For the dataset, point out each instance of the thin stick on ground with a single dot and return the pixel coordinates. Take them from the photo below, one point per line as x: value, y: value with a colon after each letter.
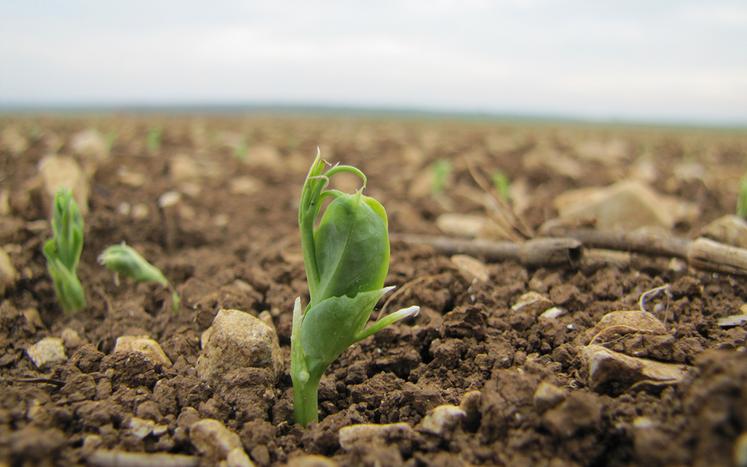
x: 702, y: 253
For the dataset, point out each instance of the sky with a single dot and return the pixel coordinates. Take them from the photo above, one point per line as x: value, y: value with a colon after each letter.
x: 675, y: 61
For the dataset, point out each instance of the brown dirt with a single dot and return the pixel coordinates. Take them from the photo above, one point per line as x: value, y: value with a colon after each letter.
x: 242, y: 251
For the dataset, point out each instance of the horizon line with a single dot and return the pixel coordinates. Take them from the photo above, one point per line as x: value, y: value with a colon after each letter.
x: 321, y: 109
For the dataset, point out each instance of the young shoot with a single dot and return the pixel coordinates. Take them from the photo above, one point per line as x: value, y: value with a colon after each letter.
x: 346, y: 256
x: 123, y: 259
x: 502, y: 185
x: 742, y: 199
x: 153, y: 140
x: 440, y: 172
x: 63, y: 252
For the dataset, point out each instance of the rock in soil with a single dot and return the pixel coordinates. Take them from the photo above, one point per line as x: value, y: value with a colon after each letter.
x: 311, y: 461
x: 144, y: 345
x: 729, y: 229
x: 617, y: 323
x: 627, y: 205
x: 532, y: 303
x: 8, y: 273
x: 64, y: 172
x: 217, y: 443
x: 471, y: 268
x: 368, y: 433
x: 547, y: 396
x: 237, y: 340
x: 611, y: 371
x: 47, y: 352
x: 442, y: 420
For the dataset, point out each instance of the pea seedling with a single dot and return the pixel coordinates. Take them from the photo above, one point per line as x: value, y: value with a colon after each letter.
x: 153, y: 140
x: 123, y: 259
x: 502, y: 185
x: 440, y: 170
x: 63, y: 251
x: 742, y: 199
x: 346, y: 257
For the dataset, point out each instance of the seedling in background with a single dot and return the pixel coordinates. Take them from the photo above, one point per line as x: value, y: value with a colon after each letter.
x: 742, y: 199
x: 241, y: 150
x: 123, y: 259
x: 440, y: 171
x: 502, y: 185
x: 63, y: 252
x: 153, y: 140
x: 111, y: 138
x: 346, y: 257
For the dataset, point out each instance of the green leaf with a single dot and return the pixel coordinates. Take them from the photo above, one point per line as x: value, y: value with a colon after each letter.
x: 331, y: 326
x: 351, y: 247
x: 124, y: 260
x: 63, y: 251
x: 67, y: 287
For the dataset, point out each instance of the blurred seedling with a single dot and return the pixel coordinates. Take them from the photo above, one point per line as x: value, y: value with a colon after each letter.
x: 502, y: 185
x: 63, y: 252
x: 111, y: 138
x: 742, y: 199
x: 241, y: 150
x: 123, y: 259
x: 440, y: 173
x: 153, y: 140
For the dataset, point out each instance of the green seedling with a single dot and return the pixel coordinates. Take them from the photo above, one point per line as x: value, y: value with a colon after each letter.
x: 742, y: 199
x: 153, y: 140
x: 440, y: 171
x: 346, y: 256
x: 241, y: 150
x: 123, y: 259
x: 63, y: 252
x: 111, y: 138
x: 502, y: 185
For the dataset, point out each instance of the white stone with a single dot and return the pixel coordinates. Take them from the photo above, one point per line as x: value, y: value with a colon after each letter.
x: 213, y: 440
x: 131, y: 178
x: 13, y: 141
x: 532, y: 302
x: 71, y: 338
x: 170, y: 198
x: 730, y: 229
x: 442, y: 419
x: 732, y: 321
x: 141, y: 427
x: 609, y: 367
x: 244, y: 185
x: 238, y: 458
x: 140, y: 212
x: 91, y: 145
x: 8, y: 273
x: 471, y: 268
x: 47, y: 352
x: 461, y: 225
x: 144, y: 345
x: 367, y: 433
x: 237, y: 340
x: 311, y: 460
x: 547, y: 395
x: 553, y: 313
x: 624, y: 322
x: 64, y: 172
x: 628, y: 204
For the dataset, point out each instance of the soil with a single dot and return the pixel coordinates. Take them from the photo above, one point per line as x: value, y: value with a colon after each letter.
x: 225, y: 247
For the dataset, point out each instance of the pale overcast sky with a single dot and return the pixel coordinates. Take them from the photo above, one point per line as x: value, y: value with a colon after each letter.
x: 650, y: 60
